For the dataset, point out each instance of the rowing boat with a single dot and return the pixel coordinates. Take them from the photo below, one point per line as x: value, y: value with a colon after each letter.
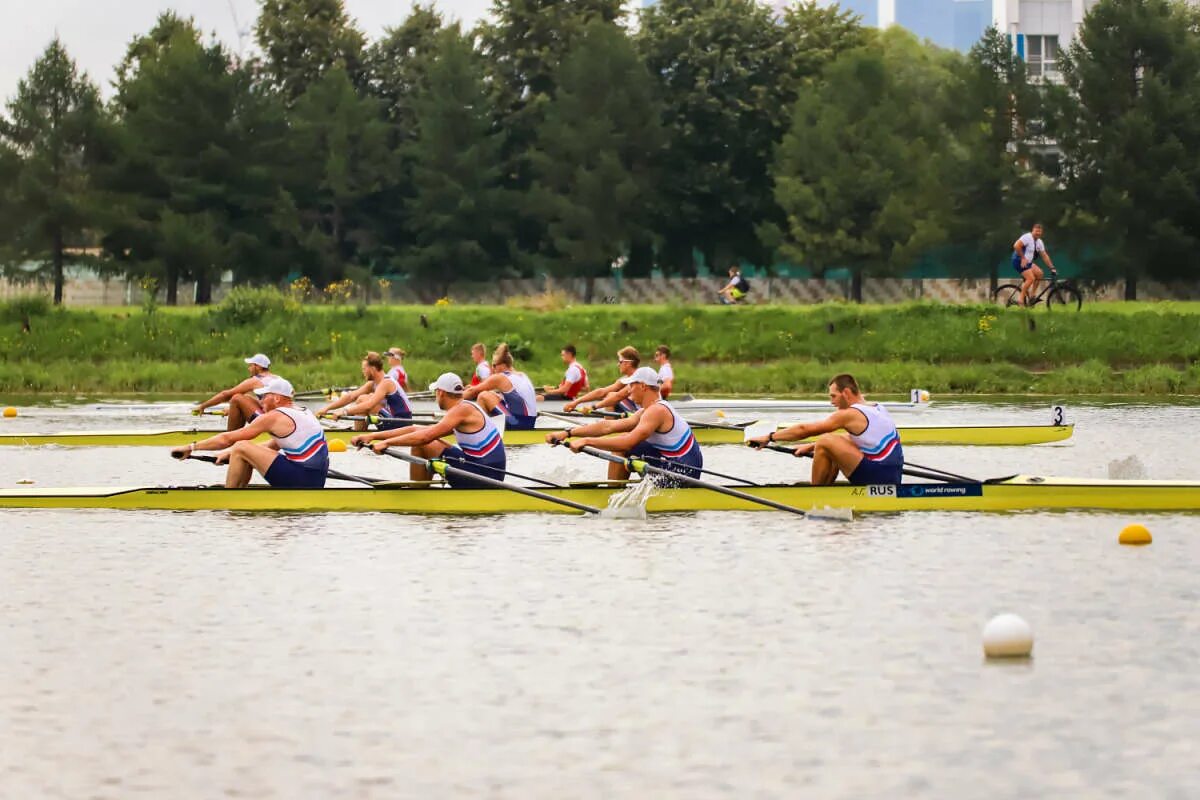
x: 909, y: 434
x: 1017, y: 493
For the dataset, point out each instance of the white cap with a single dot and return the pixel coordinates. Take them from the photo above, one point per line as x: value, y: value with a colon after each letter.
x: 447, y: 382
x: 644, y: 375
x: 276, y: 386
x: 260, y: 360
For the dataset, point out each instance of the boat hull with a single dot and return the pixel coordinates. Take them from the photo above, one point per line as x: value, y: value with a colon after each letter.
x: 911, y: 435
x: 1020, y: 493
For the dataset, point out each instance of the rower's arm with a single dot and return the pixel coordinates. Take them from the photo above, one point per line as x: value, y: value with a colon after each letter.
x: 494, y: 382
x: 422, y: 434
x: 596, y: 394
x: 629, y: 432
x: 613, y: 398
x: 345, y: 399
x: 248, y: 385
x: 373, y: 400
x: 221, y: 441
x: 803, y: 430
x: 602, y: 428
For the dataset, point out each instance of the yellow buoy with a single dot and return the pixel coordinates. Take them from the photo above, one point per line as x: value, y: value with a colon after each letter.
x: 10, y: 412
x: 924, y: 396
x: 1135, y: 534
x: 720, y: 413
x: 337, y: 445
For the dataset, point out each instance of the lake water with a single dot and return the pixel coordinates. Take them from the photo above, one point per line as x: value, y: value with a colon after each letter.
x: 709, y: 655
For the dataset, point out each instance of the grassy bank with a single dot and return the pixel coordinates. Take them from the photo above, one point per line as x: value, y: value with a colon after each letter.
x: 1123, y: 348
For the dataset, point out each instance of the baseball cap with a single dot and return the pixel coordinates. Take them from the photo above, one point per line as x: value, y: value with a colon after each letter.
x: 447, y: 382
x: 260, y: 360
x: 642, y: 375
x: 276, y: 386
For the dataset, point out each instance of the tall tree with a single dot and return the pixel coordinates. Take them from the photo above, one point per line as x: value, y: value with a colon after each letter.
x: 455, y: 223
x: 398, y: 62
x: 594, y: 179
x: 719, y: 65
x: 341, y: 166
x: 524, y: 47
x: 856, y: 174
x: 989, y: 187
x: 52, y: 127
x: 198, y: 169
x: 1131, y: 138
x: 302, y: 40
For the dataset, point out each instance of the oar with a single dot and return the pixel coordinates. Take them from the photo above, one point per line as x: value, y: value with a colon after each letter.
x: 497, y: 470
x: 914, y: 470
x: 314, y: 393
x: 604, y: 412
x: 373, y: 419
x: 332, y: 473
x: 442, y: 468
x: 641, y: 467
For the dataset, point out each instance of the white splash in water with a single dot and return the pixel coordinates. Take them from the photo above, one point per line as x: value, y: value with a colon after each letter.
x: 1127, y: 469
x: 631, y: 502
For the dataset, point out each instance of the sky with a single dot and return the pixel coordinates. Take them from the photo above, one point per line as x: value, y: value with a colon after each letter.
x: 96, y: 32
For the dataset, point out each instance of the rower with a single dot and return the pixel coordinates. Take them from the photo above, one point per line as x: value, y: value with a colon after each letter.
x: 511, y: 392
x: 656, y: 433
x: 483, y: 370
x: 575, y: 379
x: 295, y: 458
x: 478, y: 448
x: 871, y: 454
x: 395, y: 356
x: 381, y: 394
x: 666, y: 373
x: 616, y: 394
x: 244, y: 405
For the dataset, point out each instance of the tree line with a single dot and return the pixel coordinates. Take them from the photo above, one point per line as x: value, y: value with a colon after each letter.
x: 559, y: 136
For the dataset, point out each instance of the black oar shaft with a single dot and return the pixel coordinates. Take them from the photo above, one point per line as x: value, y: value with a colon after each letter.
x: 634, y: 464
x: 337, y: 475
x: 492, y: 482
x: 911, y: 469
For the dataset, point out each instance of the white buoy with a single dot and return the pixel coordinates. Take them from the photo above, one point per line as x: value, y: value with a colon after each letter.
x: 1007, y: 636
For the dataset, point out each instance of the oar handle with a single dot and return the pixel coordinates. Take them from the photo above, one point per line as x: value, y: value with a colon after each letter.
x: 911, y: 469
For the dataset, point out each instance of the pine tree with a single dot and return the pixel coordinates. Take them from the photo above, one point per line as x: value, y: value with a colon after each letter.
x: 52, y: 127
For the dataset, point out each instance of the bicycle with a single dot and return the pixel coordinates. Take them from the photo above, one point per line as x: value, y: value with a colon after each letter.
x: 1057, y: 293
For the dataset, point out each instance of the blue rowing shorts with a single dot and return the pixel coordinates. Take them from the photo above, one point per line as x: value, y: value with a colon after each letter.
x: 870, y: 473
x: 286, y: 474
x: 455, y: 457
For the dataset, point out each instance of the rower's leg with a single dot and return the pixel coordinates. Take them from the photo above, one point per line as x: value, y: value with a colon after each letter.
x: 834, y: 453
x: 617, y: 472
x: 241, y: 408
x: 244, y: 458
x: 418, y: 472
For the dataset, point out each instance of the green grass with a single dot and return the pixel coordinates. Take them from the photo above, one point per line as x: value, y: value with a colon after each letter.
x: 1114, y: 347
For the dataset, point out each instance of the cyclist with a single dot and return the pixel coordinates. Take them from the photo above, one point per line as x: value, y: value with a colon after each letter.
x: 1025, y: 252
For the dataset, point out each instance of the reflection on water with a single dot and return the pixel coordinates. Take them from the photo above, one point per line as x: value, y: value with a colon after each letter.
x: 734, y: 655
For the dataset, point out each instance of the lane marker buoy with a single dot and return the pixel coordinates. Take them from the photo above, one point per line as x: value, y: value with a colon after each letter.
x: 1135, y: 534
x: 1007, y: 636
x: 10, y: 412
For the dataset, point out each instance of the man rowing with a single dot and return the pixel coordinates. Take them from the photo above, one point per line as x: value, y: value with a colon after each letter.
x: 666, y: 373
x: 295, y: 458
x: 478, y: 448
x: 655, y: 433
x: 380, y: 394
x: 1026, y: 250
x: 244, y: 405
x: 616, y: 394
x: 870, y: 454
x: 483, y: 370
x: 575, y: 379
x: 512, y: 392
x: 395, y: 356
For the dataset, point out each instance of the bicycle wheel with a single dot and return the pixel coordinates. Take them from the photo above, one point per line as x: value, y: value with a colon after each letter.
x: 1007, y: 295
x: 1064, y: 296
